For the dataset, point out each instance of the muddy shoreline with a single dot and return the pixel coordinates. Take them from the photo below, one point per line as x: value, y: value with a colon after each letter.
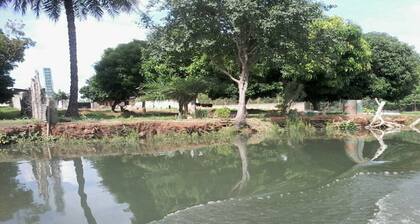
x: 93, y: 130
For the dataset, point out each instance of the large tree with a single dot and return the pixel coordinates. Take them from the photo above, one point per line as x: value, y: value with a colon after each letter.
x: 12, y: 49
x: 175, y: 75
x: 395, y: 67
x: 73, y: 9
x: 93, y: 91
x: 118, y: 74
x: 337, y: 62
x: 236, y: 34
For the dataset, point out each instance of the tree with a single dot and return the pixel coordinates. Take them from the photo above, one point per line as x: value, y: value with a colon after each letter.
x: 12, y: 48
x: 176, y: 78
x: 118, y: 74
x: 337, y: 62
x: 236, y: 34
x: 60, y: 95
x: 183, y: 90
x: 411, y: 101
x: 395, y: 67
x: 265, y: 82
x: 92, y: 91
x: 73, y: 9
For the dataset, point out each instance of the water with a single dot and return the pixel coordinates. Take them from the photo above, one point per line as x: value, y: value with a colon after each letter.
x: 275, y: 181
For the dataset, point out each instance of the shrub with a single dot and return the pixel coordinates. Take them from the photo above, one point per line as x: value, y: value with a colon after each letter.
x: 348, y: 126
x: 4, y: 139
x: 340, y: 128
x: 201, y: 113
x: 222, y: 112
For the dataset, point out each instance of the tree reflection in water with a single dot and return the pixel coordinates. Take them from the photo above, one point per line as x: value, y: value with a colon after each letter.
x: 354, y: 146
x: 78, y: 165
x: 13, y: 196
x: 241, y: 143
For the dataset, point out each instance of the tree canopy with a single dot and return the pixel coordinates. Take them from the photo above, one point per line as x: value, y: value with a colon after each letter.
x: 236, y: 34
x: 12, y: 49
x: 60, y: 95
x: 118, y: 74
x: 171, y: 76
x: 395, y: 67
x: 337, y: 62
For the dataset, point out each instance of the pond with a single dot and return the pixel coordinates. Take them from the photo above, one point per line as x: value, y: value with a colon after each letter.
x: 317, y: 180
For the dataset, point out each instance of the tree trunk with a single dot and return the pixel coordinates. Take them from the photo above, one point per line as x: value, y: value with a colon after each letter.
x: 114, y: 105
x: 193, y: 106
x: 143, y: 106
x: 185, y: 109
x: 180, y: 109
x: 240, y: 119
x: 72, y: 109
x: 315, y: 105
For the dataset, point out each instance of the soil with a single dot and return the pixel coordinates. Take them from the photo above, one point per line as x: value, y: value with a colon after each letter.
x: 88, y: 130
x: 319, y: 121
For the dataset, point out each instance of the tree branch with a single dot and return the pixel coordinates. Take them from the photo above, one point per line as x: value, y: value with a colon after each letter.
x: 227, y: 74
x: 224, y: 71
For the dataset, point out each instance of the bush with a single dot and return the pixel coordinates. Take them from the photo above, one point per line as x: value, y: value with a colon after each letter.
x: 341, y: 128
x: 4, y: 139
x: 348, y: 126
x: 201, y: 113
x: 222, y: 112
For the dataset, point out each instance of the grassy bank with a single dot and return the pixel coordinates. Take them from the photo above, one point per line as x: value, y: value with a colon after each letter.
x: 131, y: 143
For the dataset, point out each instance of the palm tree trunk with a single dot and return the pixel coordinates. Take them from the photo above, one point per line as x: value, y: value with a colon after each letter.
x: 72, y: 110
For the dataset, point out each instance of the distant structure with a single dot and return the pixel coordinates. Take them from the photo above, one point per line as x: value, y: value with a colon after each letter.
x: 49, y: 90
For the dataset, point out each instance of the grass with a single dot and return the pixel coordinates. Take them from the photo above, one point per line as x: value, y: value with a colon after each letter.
x: 11, y: 117
x: 35, y: 145
x: 108, y: 115
x: 9, y: 113
x: 411, y: 113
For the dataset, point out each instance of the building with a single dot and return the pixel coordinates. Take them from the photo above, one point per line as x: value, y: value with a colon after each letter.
x: 49, y: 90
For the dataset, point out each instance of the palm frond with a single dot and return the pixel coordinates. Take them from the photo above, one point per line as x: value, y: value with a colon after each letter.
x: 53, y: 8
x: 17, y: 5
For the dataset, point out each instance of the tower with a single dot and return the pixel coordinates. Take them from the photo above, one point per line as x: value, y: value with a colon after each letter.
x: 49, y: 90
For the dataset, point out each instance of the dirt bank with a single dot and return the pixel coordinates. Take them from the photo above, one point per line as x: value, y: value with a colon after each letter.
x: 319, y: 121
x: 88, y: 130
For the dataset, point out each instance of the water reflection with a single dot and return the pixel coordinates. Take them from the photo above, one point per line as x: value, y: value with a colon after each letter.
x: 81, y: 191
x: 241, y: 143
x: 354, y: 147
x: 255, y: 178
x: 13, y: 196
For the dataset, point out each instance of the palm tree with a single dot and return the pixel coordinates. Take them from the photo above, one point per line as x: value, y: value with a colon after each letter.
x: 73, y: 8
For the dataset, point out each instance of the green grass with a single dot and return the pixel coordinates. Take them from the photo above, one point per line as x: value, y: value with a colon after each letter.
x: 107, y: 115
x: 9, y: 113
x: 11, y: 117
x: 411, y: 113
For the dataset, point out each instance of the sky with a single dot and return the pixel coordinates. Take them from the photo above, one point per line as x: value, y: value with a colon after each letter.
x: 51, y: 49
x: 400, y: 18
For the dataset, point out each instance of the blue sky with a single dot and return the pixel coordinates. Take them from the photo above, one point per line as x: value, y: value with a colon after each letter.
x: 400, y: 18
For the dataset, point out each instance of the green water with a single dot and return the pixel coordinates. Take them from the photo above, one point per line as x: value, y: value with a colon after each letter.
x: 275, y: 181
